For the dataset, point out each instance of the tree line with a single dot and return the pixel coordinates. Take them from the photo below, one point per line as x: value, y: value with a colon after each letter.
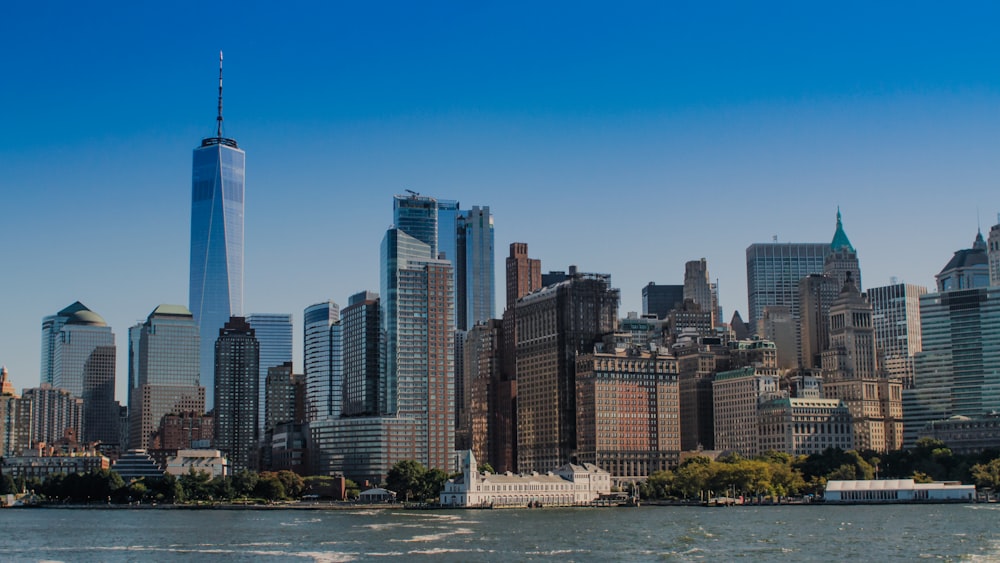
x: 780, y: 474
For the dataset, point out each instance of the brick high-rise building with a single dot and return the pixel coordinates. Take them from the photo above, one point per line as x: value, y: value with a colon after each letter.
x: 237, y: 367
x: 553, y: 326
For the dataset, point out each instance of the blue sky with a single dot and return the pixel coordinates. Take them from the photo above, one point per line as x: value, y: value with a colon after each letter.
x: 625, y: 139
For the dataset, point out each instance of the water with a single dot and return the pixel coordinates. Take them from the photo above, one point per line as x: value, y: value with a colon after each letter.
x: 791, y: 533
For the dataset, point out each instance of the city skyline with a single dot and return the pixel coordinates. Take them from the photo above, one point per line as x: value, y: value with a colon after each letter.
x: 630, y: 143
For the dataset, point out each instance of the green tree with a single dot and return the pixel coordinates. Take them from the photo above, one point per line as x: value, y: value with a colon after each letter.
x: 292, y: 482
x: 269, y: 487
x: 244, y: 482
x: 432, y: 483
x: 7, y: 485
x: 987, y: 475
x: 351, y: 489
x: 406, y: 479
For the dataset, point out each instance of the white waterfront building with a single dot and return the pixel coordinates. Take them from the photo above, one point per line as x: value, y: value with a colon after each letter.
x: 897, y: 490
x: 568, y: 485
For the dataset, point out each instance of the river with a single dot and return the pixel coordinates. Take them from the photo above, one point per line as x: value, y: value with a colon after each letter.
x: 770, y: 533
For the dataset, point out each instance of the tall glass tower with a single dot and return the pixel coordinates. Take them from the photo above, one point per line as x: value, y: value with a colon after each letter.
x: 216, y: 286
x: 274, y: 334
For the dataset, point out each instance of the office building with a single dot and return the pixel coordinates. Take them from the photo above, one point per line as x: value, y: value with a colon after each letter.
x: 842, y: 261
x: 699, y: 358
x: 417, y: 216
x: 483, y: 422
x: 993, y: 254
x: 778, y: 326
x: 803, y: 426
x: 553, y: 326
x: 362, y: 354
x: 851, y: 374
x: 737, y: 396
x: 698, y: 287
x: 284, y: 397
x: 274, y: 335
x: 216, y: 274
x: 628, y: 411
x: 80, y: 348
x: 967, y: 269
x: 168, y: 359
x: 661, y: 299
x: 816, y: 293
x: 321, y: 360
x: 237, y: 359
x: 773, y: 274
x: 475, y: 300
x: 896, y: 319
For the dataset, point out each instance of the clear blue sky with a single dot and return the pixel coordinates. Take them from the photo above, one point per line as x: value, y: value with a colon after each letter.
x: 625, y: 139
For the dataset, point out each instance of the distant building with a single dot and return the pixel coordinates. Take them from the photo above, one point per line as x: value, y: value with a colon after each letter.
x: 773, y: 274
x: 778, y: 326
x: 53, y: 412
x: 185, y: 430
x: 698, y: 287
x: 482, y: 420
x: 165, y: 351
x: 475, y: 285
x: 993, y: 254
x: 15, y: 418
x: 274, y: 334
x: 283, y: 397
x: 210, y: 462
x: 137, y: 464
x: 698, y: 360
x: 569, y: 485
x: 805, y: 426
x: 362, y: 354
x: 321, y: 351
x: 737, y: 396
x: 967, y: 269
x: 661, y: 299
x: 237, y: 355
x: 966, y: 435
x: 628, y: 411
x: 39, y: 463
x: 896, y: 319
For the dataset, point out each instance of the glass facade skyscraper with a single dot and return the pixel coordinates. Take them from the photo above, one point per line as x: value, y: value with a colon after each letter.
x: 216, y: 275
x: 321, y: 351
x: 475, y: 279
x: 274, y: 334
x: 773, y: 274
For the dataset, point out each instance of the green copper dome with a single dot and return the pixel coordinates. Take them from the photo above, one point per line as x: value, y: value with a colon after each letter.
x: 840, y: 239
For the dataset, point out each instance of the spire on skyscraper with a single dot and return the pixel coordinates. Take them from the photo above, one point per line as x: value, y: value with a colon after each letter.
x: 218, y: 131
x: 840, y: 239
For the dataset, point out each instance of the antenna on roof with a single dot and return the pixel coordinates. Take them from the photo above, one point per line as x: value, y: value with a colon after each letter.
x: 218, y: 131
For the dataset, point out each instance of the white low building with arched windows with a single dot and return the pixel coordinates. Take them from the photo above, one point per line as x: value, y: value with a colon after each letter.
x: 570, y: 485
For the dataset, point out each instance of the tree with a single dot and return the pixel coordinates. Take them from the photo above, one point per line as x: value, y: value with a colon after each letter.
x: 987, y: 475
x: 351, y: 489
x: 406, y: 479
x: 485, y: 466
x: 433, y: 483
x: 292, y: 482
x: 269, y: 487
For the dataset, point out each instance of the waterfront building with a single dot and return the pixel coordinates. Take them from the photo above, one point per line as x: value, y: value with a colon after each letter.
x: 698, y: 287
x: 167, y: 353
x: 773, y: 274
x: 737, y: 396
x: 363, y: 448
x: 475, y: 286
x: 555, y: 324
x: 237, y: 358
x: 850, y: 367
x: 40, y: 462
x: 805, y: 425
x: 79, y: 354
x: 137, y: 464
x: 417, y: 320
x: 883, y: 491
x: 274, y: 335
x: 568, y: 485
x: 362, y: 354
x: 215, y: 291
x: 209, y: 462
x: 54, y: 413
x: 896, y: 320
x: 628, y: 411
x: 321, y: 363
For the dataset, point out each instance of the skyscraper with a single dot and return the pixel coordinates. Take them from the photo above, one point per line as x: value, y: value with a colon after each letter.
x: 418, y: 323
x: 320, y: 359
x: 82, y: 354
x: 553, y: 326
x: 274, y: 334
x: 475, y: 291
x: 168, y: 364
x: 957, y: 372
x: 216, y: 284
x: 993, y: 254
x: 237, y: 359
x: 362, y: 358
x: 842, y: 259
x: 698, y: 287
x: 417, y: 216
x: 773, y: 274
x: 51, y: 327
x: 896, y: 318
